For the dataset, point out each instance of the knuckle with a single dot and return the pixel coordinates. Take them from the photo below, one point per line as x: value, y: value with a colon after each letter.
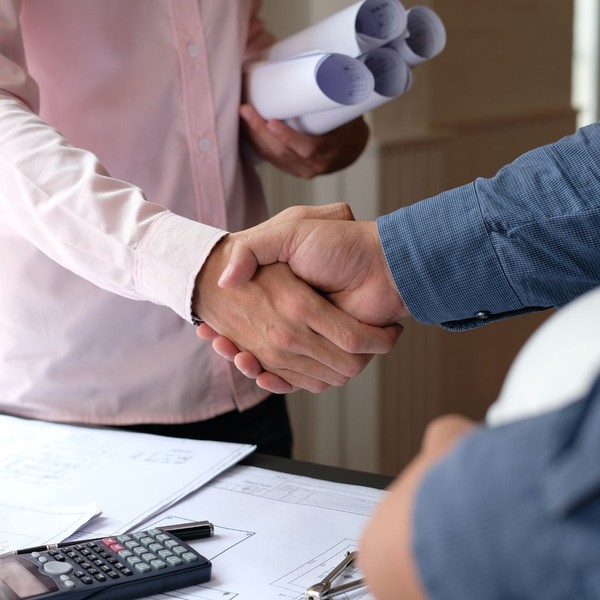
x: 352, y: 342
x: 345, y: 212
x: 316, y: 387
x: 356, y: 367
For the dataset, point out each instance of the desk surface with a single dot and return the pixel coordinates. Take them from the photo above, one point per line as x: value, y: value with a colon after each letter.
x: 327, y: 472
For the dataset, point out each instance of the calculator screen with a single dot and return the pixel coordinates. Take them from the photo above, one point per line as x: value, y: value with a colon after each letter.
x: 16, y: 578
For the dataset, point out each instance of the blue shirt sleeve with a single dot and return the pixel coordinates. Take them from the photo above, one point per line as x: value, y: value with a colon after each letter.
x: 524, y: 240
x: 514, y: 511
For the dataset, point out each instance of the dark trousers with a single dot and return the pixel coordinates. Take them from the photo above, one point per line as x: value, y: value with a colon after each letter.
x: 266, y: 425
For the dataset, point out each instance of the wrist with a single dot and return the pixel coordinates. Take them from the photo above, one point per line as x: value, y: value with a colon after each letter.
x: 206, y: 284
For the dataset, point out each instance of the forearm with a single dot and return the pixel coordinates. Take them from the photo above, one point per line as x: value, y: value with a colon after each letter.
x: 523, y: 240
x: 63, y: 201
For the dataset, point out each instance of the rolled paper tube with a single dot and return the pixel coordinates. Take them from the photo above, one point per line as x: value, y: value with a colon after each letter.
x: 392, y: 77
x: 307, y: 83
x: 426, y: 36
x: 353, y: 31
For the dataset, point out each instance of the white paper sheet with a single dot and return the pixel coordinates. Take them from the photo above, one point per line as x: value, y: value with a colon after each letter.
x: 275, y: 533
x: 352, y: 31
x: 392, y: 78
x: 130, y: 476
x: 307, y: 83
x: 26, y: 526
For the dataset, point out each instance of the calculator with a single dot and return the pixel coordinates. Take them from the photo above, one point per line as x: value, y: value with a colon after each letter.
x: 122, y: 567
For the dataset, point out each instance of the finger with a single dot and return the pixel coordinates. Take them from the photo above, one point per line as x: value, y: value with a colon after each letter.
x: 274, y: 384
x: 270, y: 241
x: 442, y: 433
x: 300, y: 143
x: 291, y: 379
x: 243, y: 262
x: 352, y: 336
x: 337, y: 211
x: 264, y: 140
x: 225, y: 348
x: 206, y: 332
x: 248, y: 364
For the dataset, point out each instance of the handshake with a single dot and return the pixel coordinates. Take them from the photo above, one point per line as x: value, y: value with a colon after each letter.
x: 301, y: 301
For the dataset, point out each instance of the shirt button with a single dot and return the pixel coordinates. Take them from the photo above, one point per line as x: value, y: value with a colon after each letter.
x: 482, y: 314
x: 192, y: 50
x: 204, y: 145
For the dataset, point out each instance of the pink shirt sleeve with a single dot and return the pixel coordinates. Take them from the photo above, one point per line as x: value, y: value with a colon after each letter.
x: 61, y: 199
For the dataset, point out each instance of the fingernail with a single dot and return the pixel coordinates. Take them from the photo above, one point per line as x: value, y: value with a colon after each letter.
x: 224, y: 276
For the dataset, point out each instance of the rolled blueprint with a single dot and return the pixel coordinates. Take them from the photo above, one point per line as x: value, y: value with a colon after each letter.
x: 392, y: 77
x: 425, y: 36
x: 353, y: 31
x: 308, y: 83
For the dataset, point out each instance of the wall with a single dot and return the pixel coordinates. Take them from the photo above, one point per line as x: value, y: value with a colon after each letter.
x: 501, y: 87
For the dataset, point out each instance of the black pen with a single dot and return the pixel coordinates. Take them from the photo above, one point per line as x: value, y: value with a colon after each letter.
x: 194, y: 530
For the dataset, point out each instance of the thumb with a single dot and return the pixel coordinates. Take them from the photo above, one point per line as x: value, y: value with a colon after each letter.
x: 260, y: 247
x: 268, y: 242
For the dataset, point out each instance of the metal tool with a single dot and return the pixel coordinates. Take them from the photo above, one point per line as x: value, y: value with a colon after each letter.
x: 323, y: 589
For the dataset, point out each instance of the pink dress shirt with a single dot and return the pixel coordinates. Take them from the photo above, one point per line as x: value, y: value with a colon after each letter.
x: 120, y: 168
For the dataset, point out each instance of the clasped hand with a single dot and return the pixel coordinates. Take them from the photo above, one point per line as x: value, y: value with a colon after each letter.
x: 311, y: 323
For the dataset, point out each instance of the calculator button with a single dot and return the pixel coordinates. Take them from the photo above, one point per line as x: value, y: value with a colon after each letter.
x: 164, y: 553
x: 162, y: 537
x: 134, y: 560
x: 127, y: 572
x: 68, y: 584
x: 113, y: 575
x: 173, y: 560
x: 189, y: 557
x: 100, y: 577
x: 158, y: 564
x: 154, y: 532
x: 146, y: 541
x: 142, y: 567
x: 57, y: 568
x: 171, y: 543
x: 123, y: 538
x: 139, y: 550
x: 131, y: 544
x: 179, y: 550
x: 155, y: 547
x: 87, y: 580
x: 148, y: 557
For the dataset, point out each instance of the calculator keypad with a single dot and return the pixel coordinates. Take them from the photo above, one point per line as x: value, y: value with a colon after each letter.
x: 113, y: 558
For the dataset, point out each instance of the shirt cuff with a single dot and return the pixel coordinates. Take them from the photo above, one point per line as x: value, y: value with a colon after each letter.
x: 169, y: 259
x: 444, y: 264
